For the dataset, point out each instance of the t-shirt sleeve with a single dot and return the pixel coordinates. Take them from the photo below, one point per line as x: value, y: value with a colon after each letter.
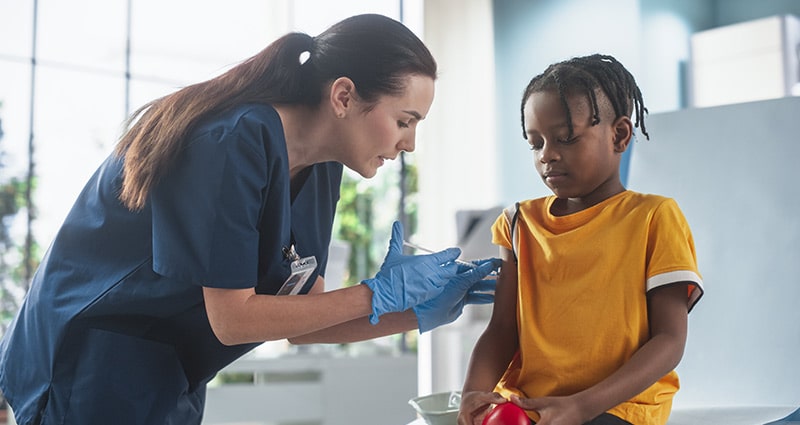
x: 501, y: 229
x: 671, y: 255
x: 206, y: 210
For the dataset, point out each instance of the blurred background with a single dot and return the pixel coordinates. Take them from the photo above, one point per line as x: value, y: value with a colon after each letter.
x: 720, y: 79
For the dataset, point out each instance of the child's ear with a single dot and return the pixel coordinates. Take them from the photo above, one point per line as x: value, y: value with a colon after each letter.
x: 623, y: 132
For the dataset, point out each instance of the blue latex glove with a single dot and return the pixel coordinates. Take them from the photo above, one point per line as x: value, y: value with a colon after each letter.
x: 469, y: 287
x: 404, y: 281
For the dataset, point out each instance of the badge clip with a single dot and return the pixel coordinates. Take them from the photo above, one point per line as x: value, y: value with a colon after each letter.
x: 301, y: 270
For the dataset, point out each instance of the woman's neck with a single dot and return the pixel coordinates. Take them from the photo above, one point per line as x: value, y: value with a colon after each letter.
x: 308, y: 136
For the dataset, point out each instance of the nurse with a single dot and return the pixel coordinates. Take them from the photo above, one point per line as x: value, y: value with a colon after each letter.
x: 185, y: 248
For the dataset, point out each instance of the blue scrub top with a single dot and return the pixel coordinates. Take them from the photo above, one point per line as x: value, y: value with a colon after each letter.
x: 114, y: 329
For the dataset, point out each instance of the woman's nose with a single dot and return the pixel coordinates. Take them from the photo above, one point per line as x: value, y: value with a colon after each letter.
x: 407, y: 144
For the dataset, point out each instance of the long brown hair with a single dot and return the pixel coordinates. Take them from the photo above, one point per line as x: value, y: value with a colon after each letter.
x: 374, y: 51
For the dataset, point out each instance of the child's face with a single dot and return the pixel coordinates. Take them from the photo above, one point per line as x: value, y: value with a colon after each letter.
x: 585, y: 167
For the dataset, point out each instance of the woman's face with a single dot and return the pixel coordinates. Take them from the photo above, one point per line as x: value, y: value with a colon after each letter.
x: 388, y: 128
x: 584, y: 167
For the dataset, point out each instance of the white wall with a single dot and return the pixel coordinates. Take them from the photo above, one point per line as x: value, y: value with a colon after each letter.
x: 457, y: 144
x: 457, y: 155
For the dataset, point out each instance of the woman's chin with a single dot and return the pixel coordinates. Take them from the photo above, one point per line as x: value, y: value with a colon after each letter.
x: 366, y: 172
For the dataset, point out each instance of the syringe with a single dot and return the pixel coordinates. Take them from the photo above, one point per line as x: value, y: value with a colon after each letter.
x: 430, y: 251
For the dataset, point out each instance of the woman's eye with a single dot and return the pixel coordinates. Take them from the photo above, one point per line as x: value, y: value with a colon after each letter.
x: 536, y: 146
x: 567, y: 141
x: 402, y: 124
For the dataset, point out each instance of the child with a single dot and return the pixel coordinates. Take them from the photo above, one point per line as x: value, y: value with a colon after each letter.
x: 597, y: 281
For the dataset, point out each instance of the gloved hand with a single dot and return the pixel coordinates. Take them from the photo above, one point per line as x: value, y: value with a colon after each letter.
x: 469, y: 287
x: 404, y: 281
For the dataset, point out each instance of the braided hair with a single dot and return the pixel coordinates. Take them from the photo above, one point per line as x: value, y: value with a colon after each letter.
x: 585, y: 75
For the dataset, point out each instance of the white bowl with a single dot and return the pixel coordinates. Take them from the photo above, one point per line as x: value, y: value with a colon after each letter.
x: 438, y: 408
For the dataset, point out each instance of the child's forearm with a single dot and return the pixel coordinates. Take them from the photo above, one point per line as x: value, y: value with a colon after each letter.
x: 490, y: 357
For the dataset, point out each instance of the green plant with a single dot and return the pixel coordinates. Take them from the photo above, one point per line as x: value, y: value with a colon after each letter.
x: 365, y: 208
x: 357, y: 218
x: 14, y: 259
x: 354, y: 226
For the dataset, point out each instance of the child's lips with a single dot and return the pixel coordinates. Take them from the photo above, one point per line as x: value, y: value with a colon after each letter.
x: 554, y: 176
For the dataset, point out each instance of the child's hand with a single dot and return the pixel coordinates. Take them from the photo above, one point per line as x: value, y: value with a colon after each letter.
x: 475, y: 405
x: 553, y: 410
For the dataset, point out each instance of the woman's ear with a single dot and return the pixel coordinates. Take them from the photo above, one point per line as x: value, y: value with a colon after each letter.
x: 623, y: 132
x: 342, y: 96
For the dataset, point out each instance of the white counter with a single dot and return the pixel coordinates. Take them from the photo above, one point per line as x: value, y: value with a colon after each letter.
x: 747, y: 415
x: 317, y: 389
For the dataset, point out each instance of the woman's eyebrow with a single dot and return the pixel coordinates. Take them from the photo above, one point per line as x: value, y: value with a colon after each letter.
x: 415, y: 114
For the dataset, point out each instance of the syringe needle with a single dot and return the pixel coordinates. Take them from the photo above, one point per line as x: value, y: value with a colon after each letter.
x: 415, y: 246
x: 430, y: 251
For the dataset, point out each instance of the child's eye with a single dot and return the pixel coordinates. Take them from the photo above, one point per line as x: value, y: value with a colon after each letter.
x: 536, y: 146
x: 569, y: 141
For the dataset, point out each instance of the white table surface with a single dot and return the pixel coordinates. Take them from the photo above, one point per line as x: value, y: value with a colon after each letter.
x: 744, y: 415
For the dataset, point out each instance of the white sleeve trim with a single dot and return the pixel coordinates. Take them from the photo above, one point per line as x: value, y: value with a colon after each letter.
x: 679, y: 276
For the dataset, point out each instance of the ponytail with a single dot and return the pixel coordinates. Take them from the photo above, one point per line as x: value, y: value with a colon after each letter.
x: 376, y: 52
x: 158, y: 131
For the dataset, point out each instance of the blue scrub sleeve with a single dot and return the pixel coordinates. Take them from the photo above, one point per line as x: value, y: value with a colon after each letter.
x: 206, y: 210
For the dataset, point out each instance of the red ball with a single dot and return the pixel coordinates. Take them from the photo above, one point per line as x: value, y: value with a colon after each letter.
x: 507, y: 414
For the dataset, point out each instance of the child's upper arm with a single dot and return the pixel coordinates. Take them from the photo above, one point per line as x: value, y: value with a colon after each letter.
x: 504, y: 313
x: 668, y: 311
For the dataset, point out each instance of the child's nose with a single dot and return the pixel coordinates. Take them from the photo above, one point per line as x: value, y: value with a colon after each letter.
x: 548, y: 153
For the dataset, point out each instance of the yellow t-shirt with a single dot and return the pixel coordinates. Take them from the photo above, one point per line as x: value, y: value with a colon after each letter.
x: 581, y: 306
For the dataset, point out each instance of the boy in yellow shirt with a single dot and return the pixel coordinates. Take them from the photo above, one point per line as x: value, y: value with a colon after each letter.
x: 590, y: 314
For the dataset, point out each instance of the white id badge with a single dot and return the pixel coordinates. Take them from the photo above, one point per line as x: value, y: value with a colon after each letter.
x: 302, y: 268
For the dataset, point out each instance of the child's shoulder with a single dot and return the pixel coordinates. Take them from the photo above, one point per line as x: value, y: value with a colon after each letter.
x: 524, y: 207
x: 649, y: 199
x: 534, y: 202
x: 650, y: 204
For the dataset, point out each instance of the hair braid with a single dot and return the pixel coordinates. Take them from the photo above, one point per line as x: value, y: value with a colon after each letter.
x: 560, y: 86
x: 586, y: 74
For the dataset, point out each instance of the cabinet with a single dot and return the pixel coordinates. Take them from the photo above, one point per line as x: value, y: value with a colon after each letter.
x: 317, y: 390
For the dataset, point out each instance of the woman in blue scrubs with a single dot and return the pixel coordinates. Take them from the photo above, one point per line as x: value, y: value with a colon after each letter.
x: 218, y: 200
